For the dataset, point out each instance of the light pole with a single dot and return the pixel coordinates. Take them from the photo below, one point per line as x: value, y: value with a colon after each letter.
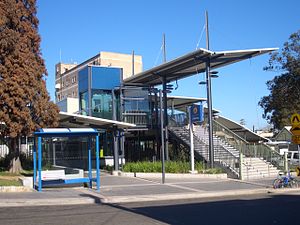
x: 162, y: 138
x: 209, y: 74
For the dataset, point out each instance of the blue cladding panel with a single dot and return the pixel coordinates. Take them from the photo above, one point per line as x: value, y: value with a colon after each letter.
x: 105, y: 78
x: 83, y: 80
x: 197, y: 113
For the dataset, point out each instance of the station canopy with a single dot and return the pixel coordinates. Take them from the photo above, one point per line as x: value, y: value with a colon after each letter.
x: 81, y: 121
x: 181, y: 102
x: 240, y: 130
x: 193, y: 63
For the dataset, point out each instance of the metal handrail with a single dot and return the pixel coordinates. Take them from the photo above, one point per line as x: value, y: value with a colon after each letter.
x: 226, y: 158
x: 230, y: 137
x: 227, y: 131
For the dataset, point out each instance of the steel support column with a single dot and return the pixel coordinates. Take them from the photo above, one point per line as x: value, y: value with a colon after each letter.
x: 116, y: 150
x: 165, y: 103
x: 209, y: 100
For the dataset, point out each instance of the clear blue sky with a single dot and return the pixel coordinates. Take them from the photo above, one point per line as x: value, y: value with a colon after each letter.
x: 81, y: 29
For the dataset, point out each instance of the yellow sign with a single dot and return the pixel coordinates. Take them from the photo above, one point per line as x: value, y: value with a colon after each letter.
x: 296, y: 139
x: 298, y: 171
x: 295, y: 130
x: 295, y: 119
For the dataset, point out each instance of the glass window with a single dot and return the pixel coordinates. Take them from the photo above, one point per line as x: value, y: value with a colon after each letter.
x: 102, y: 104
x: 84, y: 103
x: 136, y: 106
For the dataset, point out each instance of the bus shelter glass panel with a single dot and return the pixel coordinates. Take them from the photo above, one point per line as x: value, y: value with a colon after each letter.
x: 67, y: 153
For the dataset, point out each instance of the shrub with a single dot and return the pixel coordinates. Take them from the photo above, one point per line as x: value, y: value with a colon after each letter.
x: 170, y: 167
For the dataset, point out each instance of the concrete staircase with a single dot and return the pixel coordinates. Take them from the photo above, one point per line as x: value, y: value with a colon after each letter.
x: 183, y: 134
x: 256, y: 168
x: 225, y: 155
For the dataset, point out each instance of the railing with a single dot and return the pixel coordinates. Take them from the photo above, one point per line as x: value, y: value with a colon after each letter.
x: 177, y: 120
x: 223, y: 156
x: 138, y: 118
x: 265, y: 152
x: 257, y: 150
x: 226, y: 158
x: 230, y: 137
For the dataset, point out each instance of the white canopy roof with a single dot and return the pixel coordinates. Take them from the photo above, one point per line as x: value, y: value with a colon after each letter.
x: 193, y: 63
x: 75, y: 120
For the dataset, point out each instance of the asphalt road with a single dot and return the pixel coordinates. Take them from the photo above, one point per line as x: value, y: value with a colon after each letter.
x: 255, y: 210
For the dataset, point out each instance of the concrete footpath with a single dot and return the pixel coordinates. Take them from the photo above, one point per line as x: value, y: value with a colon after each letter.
x: 124, y: 189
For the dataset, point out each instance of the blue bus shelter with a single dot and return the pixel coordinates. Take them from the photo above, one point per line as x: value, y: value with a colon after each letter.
x: 65, y: 132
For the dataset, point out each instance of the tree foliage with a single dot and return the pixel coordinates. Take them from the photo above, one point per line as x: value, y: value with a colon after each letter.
x: 284, y: 97
x: 24, y: 101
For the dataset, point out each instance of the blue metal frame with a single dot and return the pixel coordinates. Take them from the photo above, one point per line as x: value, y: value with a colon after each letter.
x: 34, y: 162
x: 56, y: 132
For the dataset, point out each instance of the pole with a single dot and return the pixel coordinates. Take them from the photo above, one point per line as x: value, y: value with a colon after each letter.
x: 191, y: 142
x: 97, y: 162
x: 165, y: 99
x: 164, y: 48
x: 116, y: 149
x: 162, y: 139
x: 34, y: 162
x: 209, y: 100
x: 285, y: 163
x: 54, y: 153
x: 90, y: 162
x: 40, y: 163
x: 207, y: 32
x: 299, y: 155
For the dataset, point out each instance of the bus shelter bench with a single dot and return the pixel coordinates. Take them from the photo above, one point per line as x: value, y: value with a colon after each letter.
x: 53, y: 175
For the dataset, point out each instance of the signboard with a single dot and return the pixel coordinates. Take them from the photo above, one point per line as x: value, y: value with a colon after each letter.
x: 296, y: 139
x: 197, y: 113
x: 295, y: 130
x: 295, y: 119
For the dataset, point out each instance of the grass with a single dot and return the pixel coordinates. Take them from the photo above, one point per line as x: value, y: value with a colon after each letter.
x: 7, y: 182
x: 170, y: 167
x: 9, y: 179
x: 8, y: 174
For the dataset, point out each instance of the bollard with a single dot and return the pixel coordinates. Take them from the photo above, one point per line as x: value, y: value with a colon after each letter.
x: 285, y: 163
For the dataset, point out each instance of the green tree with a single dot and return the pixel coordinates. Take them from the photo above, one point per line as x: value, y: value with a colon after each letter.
x: 284, y: 97
x: 24, y: 100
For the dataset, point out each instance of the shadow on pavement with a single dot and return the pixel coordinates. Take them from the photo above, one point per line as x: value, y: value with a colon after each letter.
x: 97, y: 200
x: 272, y: 209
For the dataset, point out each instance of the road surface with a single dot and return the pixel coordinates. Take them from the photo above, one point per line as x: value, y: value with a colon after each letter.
x: 265, y: 209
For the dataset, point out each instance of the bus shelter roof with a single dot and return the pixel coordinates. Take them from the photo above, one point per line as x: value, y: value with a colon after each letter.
x: 193, y: 63
x: 59, y: 132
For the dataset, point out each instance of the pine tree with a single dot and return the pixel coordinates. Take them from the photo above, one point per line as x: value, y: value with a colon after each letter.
x: 24, y: 101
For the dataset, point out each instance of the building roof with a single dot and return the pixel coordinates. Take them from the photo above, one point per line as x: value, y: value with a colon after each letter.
x: 286, y: 130
x: 77, y: 121
x: 193, y: 63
